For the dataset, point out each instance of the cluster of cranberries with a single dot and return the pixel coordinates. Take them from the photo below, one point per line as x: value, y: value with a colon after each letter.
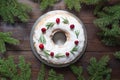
x: 41, y: 46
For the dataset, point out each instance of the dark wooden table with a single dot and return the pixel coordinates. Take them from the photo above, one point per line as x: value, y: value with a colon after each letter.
x: 94, y: 48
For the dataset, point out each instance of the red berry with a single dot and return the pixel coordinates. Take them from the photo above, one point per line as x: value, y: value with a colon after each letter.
x: 76, y: 42
x: 67, y: 54
x: 72, y: 26
x: 57, y: 20
x: 51, y: 54
x: 43, y: 30
x: 41, y: 46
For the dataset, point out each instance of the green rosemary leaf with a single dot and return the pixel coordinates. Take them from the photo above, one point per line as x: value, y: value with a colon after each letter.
x: 50, y: 24
x: 46, y: 52
x: 42, y: 39
x: 74, y: 49
x: 77, y: 32
x: 65, y: 20
x: 41, y: 75
x: 59, y: 55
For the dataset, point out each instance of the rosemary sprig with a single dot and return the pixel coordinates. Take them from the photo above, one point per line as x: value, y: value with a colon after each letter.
x: 65, y: 20
x: 77, y: 32
x: 46, y: 52
x: 42, y: 39
x: 59, y: 56
x: 74, y: 49
x: 50, y: 24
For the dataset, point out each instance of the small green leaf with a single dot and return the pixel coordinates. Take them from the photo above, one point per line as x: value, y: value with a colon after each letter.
x: 65, y: 21
x: 59, y: 56
x: 50, y: 24
x: 42, y: 39
x: 77, y: 32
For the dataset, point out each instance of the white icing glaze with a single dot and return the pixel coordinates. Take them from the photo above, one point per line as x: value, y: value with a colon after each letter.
x: 67, y: 46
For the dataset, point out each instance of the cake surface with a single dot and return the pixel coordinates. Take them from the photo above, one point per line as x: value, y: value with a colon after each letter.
x: 58, y: 38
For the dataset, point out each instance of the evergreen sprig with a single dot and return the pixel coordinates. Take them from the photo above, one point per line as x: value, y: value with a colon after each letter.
x: 11, y: 9
x: 41, y: 75
x: 44, y: 4
x: 9, y: 70
x: 98, y: 70
x: 108, y: 22
x: 77, y: 71
x: 54, y: 76
x: 117, y: 55
x: 5, y: 37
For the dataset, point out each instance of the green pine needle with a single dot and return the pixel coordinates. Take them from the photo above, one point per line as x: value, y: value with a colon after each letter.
x: 54, y: 76
x: 9, y: 10
x: 108, y: 22
x: 41, y: 75
x: 6, y: 37
x: 77, y: 71
x: 98, y: 70
x: 47, y: 3
x: 117, y: 55
x: 9, y: 70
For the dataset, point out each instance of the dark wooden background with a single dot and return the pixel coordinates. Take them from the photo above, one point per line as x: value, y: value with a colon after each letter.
x: 94, y: 48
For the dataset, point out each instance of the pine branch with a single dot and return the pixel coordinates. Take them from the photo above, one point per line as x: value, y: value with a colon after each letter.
x: 25, y: 73
x: 9, y: 70
x: 9, y: 10
x: 98, y: 70
x: 73, y: 4
x: 47, y: 3
x: 5, y: 37
x: 77, y: 71
x: 41, y: 75
x: 108, y: 22
x: 117, y: 55
x: 54, y: 76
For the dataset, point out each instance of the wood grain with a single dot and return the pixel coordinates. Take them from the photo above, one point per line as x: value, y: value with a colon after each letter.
x: 94, y: 48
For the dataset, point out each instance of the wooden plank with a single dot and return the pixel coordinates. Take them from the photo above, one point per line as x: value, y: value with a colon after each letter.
x: 84, y: 62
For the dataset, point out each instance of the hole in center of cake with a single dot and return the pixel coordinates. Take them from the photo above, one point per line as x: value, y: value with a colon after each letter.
x: 59, y: 38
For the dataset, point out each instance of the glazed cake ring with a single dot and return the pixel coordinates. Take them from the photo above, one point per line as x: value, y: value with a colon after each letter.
x: 58, y: 38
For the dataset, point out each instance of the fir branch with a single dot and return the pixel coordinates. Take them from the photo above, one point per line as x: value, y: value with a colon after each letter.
x: 98, y: 70
x: 117, y: 55
x: 108, y: 22
x: 9, y: 70
x: 54, y: 76
x: 5, y: 37
x: 65, y: 20
x: 41, y: 75
x: 25, y: 73
x: 42, y: 39
x: 9, y: 10
x: 77, y: 71
x: 47, y: 3
x: 73, y: 4
x: 50, y: 24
